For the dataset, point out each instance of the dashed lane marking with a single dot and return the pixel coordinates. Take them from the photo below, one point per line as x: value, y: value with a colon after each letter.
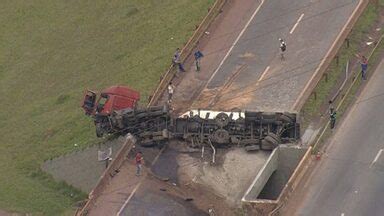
x: 263, y: 74
x: 235, y: 42
x: 296, y: 24
x: 376, y: 158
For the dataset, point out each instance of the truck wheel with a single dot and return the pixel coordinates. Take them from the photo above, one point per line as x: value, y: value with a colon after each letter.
x: 268, y: 146
x: 222, y: 119
x: 287, y: 118
x: 274, y: 136
x: 99, y: 130
x: 252, y: 147
x: 221, y: 136
x: 272, y: 140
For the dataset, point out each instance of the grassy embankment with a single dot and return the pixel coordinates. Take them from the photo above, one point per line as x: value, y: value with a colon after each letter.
x: 357, y: 37
x: 50, y: 51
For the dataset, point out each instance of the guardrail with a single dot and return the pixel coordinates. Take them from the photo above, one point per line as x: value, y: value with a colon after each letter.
x: 108, y: 174
x: 186, y: 50
x: 343, y: 97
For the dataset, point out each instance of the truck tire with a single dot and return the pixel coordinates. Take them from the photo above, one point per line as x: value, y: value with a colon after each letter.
x: 274, y: 136
x: 287, y: 117
x: 222, y: 119
x: 99, y: 130
x: 221, y: 136
x: 267, y: 146
x: 272, y: 140
x: 252, y: 147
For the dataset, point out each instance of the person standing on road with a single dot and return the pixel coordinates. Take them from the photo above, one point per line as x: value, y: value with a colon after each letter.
x: 198, y: 55
x: 283, y: 48
x: 177, y: 61
x: 139, y: 161
x: 170, y: 92
x: 331, y: 108
x: 364, y: 67
x: 332, y: 118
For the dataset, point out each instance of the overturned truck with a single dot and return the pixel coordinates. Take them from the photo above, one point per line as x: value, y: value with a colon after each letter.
x: 155, y: 125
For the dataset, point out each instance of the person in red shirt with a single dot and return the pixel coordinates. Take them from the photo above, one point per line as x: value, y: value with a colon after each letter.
x: 139, y: 161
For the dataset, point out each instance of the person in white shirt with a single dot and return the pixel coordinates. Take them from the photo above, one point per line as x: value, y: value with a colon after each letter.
x: 170, y: 92
x: 283, y: 48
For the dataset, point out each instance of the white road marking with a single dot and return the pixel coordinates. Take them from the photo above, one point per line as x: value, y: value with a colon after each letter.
x: 342, y: 214
x: 297, y: 23
x: 235, y: 42
x: 376, y: 158
x: 263, y: 74
x: 299, y: 99
x: 129, y: 198
x: 138, y: 185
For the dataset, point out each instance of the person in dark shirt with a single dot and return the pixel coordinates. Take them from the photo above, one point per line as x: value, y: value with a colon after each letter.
x: 364, y: 67
x: 177, y: 61
x: 198, y: 55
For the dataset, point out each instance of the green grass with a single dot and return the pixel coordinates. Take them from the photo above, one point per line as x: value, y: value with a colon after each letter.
x: 50, y: 51
x: 311, y: 108
x: 357, y: 35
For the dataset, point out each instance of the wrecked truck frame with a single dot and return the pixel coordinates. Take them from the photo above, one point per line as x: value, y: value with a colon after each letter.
x: 249, y: 129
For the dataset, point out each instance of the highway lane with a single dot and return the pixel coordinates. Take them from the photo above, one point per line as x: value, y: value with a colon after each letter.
x: 350, y: 179
x: 252, y: 76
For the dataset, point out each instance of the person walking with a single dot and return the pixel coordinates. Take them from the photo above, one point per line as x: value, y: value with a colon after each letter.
x: 139, y: 161
x: 177, y: 61
x: 198, y: 55
x: 283, y: 48
x: 332, y: 118
x: 364, y: 67
x: 170, y: 92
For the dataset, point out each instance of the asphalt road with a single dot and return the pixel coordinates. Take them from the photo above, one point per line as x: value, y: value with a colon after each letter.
x: 252, y: 75
x: 350, y: 179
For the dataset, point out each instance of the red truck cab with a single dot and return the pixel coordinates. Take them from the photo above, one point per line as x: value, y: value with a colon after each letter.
x: 111, y: 99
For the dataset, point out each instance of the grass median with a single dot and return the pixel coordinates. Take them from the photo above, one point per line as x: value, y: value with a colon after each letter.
x: 357, y: 39
x: 50, y: 51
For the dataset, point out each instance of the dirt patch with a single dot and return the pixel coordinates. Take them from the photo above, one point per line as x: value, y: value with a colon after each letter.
x: 4, y: 213
x: 229, y: 177
x: 82, y: 169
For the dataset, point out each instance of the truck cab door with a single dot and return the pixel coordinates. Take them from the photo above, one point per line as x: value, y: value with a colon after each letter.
x: 89, y: 102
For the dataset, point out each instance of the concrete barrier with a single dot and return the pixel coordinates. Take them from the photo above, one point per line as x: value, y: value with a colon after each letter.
x: 251, y: 201
x: 262, y: 177
x: 293, y: 182
x: 187, y: 50
x: 108, y: 175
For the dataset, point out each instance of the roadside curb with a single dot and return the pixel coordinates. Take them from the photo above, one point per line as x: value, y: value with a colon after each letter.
x: 107, y: 175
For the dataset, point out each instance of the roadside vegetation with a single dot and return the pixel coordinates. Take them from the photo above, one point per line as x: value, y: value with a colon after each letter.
x: 50, y: 51
x: 326, y: 87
